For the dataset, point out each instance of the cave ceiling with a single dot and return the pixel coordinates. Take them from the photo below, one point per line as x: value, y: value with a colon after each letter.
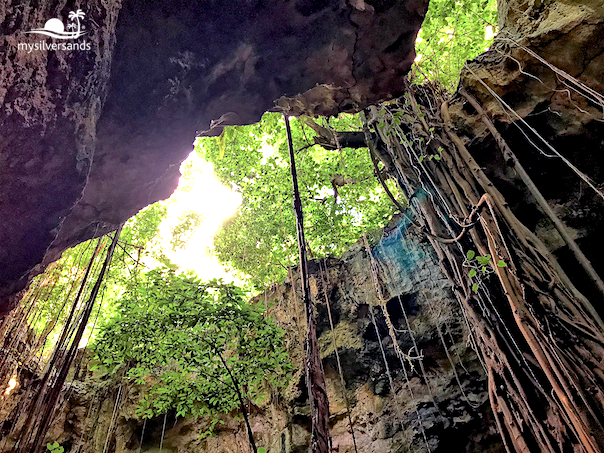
x: 89, y: 137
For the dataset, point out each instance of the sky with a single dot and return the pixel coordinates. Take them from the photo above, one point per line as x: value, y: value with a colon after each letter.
x: 199, y: 191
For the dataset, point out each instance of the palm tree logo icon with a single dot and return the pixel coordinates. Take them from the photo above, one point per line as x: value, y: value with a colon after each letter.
x: 79, y: 14
x: 55, y: 28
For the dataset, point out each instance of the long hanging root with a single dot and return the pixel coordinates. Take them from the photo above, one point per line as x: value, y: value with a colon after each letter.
x: 509, y: 156
x: 378, y: 291
x: 399, y: 353
x: 315, y: 376
x: 114, y: 414
x: 546, y: 347
x: 515, y: 292
x: 34, y: 412
x: 570, y: 165
x: 335, y: 346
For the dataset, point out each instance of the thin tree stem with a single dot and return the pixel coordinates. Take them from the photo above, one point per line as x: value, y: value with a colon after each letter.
x: 315, y: 376
x: 241, y: 402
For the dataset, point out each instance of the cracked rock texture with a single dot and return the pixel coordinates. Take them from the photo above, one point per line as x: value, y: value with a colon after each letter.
x: 443, y: 397
x: 87, y: 138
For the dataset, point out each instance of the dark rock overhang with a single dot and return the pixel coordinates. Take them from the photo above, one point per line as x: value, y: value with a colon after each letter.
x: 89, y: 137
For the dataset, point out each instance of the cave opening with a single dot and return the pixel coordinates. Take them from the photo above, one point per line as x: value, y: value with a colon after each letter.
x: 438, y: 276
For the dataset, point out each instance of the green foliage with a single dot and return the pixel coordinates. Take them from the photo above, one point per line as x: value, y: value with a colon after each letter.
x: 453, y: 32
x: 479, y: 267
x: 55, y: 288
x: 261, y: 239
x: 137, y: 235
x: 429, y: 156
x: 142, y: 228
x: 55, y: 447
x: 178, y: 335
x: 182, y: 232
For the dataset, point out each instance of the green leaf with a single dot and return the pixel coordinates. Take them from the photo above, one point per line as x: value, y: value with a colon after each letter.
x: 475, y: 287
x: 181, y: 338
x: 472, y: 273
x: 436, y: 157
x: 483, y: 259
x: 451, y: 35
x: 261, y: 450
x: 471, y: 254
x: 501, y: 263
x: 260, y: 240
x: 421, y: 159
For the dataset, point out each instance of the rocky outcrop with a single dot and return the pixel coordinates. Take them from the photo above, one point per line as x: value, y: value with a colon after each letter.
x: 89, y: 137
x: 51, y: 102
x: 545, y: 72
x: 440, y: 401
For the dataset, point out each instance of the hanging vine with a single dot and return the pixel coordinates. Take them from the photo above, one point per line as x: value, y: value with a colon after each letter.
x: 554, y: 324
x: 539, y: 338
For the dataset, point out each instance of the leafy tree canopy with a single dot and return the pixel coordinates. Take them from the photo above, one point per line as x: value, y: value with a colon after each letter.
x: 453, y: 32
x: 196, y: 345
x: 341, y: 197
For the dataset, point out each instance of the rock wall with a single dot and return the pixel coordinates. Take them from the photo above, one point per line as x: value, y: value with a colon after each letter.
x: 545, y: 72
x: 89, y: 137
x: 440, y: 401
x: 51, y: 102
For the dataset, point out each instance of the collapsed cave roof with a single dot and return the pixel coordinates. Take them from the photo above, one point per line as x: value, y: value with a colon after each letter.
x: 89, y: 137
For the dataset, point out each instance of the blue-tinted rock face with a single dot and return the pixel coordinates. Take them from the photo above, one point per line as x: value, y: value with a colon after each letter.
x: 89, y: 137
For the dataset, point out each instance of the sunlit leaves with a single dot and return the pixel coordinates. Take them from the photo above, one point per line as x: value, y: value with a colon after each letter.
x: 261, y: 239
x: 173, y: 333
x: 453, y: 32
x: 183, y: 230
x: 55, y: 290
